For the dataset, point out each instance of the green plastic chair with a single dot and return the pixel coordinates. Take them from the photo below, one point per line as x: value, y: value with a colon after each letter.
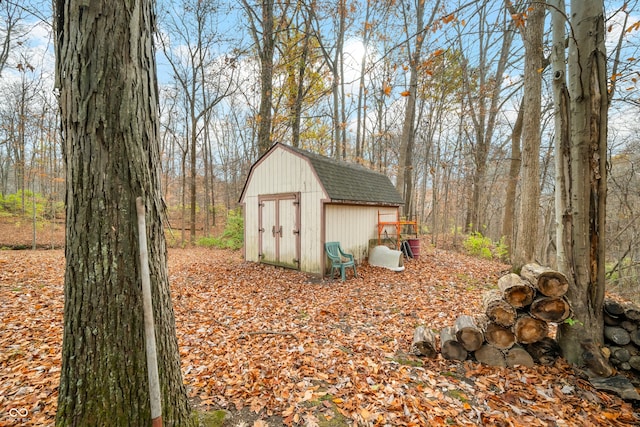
x: 339, y: 259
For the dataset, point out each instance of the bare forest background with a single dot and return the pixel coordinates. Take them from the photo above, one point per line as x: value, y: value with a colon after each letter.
x: 429, y: 93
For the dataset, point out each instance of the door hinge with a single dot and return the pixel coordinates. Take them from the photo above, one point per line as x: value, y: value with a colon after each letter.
x: 296, y: 231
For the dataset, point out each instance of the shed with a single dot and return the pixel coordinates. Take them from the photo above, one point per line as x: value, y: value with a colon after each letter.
x: 294, y: 201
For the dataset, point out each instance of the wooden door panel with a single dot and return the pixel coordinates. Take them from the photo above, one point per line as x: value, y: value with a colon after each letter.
x: 268, y: 246
x: 288, y: 255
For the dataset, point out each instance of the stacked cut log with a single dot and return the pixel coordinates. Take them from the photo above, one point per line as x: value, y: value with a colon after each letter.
x: 622, y: 334
x: 514, y: 326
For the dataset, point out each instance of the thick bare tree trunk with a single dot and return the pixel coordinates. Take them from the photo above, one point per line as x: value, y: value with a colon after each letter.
x: 264, y: 37
x: 583, y: 235
x: 404, y: 181
x: 266, y: 76
x: 528, y: 215
x: 336, y: 67
x: 512, y: 183
x: 106, y: 75
x: 561, y: 141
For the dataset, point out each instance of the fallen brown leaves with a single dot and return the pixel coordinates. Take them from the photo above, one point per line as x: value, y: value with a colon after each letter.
x: 278, y: 342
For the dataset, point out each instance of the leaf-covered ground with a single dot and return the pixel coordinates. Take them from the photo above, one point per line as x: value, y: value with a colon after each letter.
x: 288, y: 348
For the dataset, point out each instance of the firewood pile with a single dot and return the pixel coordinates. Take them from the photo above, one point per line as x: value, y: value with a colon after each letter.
x: 514, y: 326
x: 622, y: 335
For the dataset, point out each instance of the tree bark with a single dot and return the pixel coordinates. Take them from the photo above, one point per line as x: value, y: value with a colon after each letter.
x: 584, y: 249
x: 512, y: 184
x: 527, y: 230
x: 106, y: 75
x: 265, y: 40
x: 424, y: 342
x: 594, y: 360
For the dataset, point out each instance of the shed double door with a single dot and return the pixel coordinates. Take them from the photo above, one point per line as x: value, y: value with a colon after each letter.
x: 279, y: 229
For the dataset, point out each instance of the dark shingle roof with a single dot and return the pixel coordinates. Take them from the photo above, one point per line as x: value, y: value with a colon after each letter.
x: 349, y: 182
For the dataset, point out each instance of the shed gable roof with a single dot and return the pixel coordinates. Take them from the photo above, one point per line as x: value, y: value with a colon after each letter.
x: 349, y: 182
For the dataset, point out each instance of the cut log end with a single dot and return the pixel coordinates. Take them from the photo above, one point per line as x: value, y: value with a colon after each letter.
x: 550, y: 309
x: 467, y: 333
x: 515, y: 290
x: 529, y: 329
x: 499, y: 336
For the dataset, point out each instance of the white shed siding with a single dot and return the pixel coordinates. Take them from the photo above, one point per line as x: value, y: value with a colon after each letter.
x: 311, y: 249
x: 353, y: 226
x: 282, y: 172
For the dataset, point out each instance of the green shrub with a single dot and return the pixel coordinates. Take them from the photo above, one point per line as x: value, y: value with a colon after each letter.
x: 478, y: 245
x: 233, y: 235
x: 502, y: 250
x: 12, y: 203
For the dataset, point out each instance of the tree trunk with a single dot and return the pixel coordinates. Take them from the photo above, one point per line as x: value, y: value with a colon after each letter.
x: 561, y: 139
x: 109, y: 112
x: 336, y: 83
x: 405, y: 157
x: 585, y: 248
x: 594, y: 360
x: 512, y: 183
x: 405, y: 175
x: 265, y: 40
x: 192, y: 177
x: 527, y: 231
